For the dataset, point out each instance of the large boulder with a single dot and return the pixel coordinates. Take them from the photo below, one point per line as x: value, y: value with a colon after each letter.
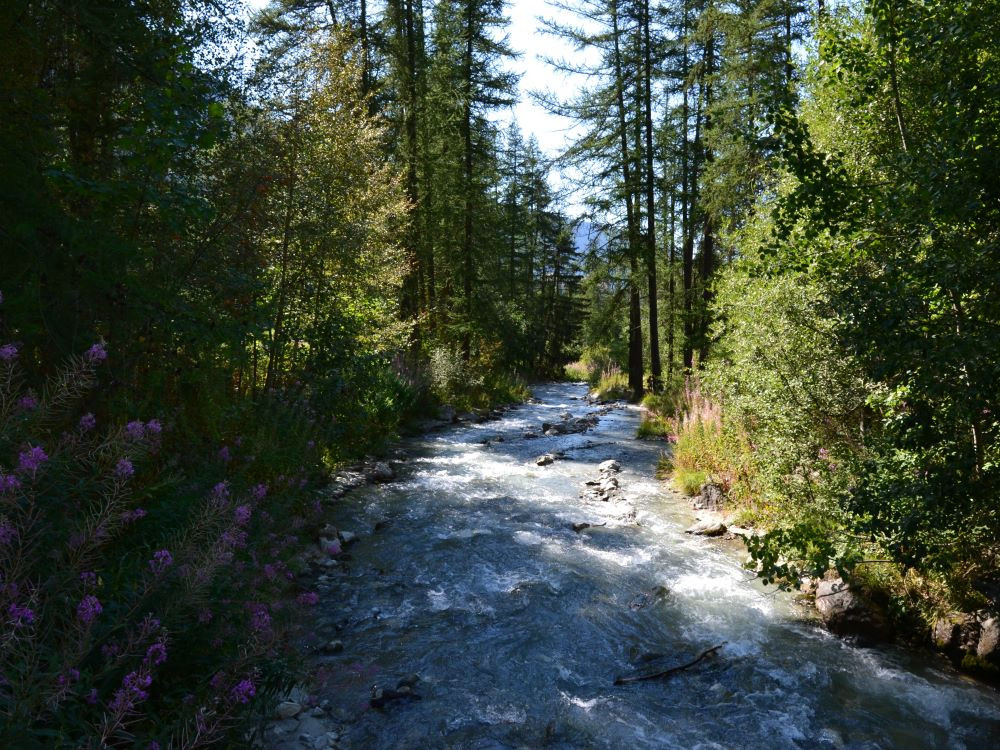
x: 707, y: 527
x: 989, y: 640
x: 846, y: 611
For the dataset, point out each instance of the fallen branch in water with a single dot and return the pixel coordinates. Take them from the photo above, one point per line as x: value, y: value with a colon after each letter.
x: 667, y: 672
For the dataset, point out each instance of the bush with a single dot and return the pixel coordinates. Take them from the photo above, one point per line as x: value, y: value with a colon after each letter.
x: 144, y: 592
x: 475, y: 384
x: 577, y: 371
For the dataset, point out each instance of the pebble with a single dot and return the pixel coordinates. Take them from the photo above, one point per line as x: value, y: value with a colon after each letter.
x: 288, y: 709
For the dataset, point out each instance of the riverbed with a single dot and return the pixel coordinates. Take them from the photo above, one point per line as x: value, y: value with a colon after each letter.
x: 468, y: 574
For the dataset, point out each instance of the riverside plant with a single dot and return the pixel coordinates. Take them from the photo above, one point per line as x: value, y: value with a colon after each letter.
x: 136, y: 609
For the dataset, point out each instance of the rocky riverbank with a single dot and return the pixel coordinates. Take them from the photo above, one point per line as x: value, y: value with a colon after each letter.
x: 971, y: 641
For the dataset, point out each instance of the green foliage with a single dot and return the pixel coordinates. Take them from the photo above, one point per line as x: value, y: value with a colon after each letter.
x: 144, y: 589
x: 612, y: 385
x: 654, y: 426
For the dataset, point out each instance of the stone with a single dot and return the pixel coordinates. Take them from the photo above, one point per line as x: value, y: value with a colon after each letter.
x: 849, y: 613
x: 708, y: 527
x: 711, y: 497
x: 545, y: 459
x: 529, y: 435
x: 447, y: 413
x: 989, y: 639
x: 468, y: 416
x: 565, y: 415
x: 578, y: 527
x: 551, y: 432
x: 409, y: 681
x: 288, y: 709
x: 347, y: 537
x: 609, y: 466
x: 382, y: 472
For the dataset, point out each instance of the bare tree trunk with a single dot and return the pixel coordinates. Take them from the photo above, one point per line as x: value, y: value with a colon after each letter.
x: 635, y: 314
x: 654, y: 322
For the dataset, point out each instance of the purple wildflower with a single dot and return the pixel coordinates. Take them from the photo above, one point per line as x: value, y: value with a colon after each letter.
x: 205, y: 616
x: 88, y: 609
x: 9, y: 483
x: 242, y: 514
x: 8, y: 352
x: 88, y: 578
x: 92, y: 697
x: 162, y: 559
x: 309, y: 598
x: 134, y: 515
x: 154, y: 745
x: 135, y: 430
x: 259, y: 492
x: 824, y: 453
x: 221, y: 491
x: 28, y: 403
x: 31, y: 459
x: 156, y: 654
x: 153, y: 427
x: 124, y: 468
x: 260, y: 618
x: 234, y: 538
x: 224, y: 454
x: 96, y: 354
x: 87, y: 422
x: 243, y: 691
x: 134, y: 689
x: 21, y: 615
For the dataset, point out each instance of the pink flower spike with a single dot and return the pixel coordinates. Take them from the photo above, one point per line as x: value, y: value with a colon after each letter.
x: 96, y: 354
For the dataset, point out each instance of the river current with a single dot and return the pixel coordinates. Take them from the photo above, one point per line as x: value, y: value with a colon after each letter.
x: 517, y: 625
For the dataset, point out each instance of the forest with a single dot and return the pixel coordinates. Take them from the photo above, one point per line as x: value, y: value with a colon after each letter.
x: 241, y: 247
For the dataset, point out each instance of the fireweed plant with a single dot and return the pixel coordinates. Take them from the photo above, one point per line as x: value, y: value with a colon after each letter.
x: 138, y: 607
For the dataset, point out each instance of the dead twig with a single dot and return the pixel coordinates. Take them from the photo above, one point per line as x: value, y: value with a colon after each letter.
x: 667, y: 672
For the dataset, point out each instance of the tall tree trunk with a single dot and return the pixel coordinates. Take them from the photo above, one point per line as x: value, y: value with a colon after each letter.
x: 467, y: 183
x: 708, y: 237
x: 654, y: 317
x: 635, y: 314
x: 687, y: 205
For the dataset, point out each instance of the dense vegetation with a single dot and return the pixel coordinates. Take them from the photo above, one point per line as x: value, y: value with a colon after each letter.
x: 801, y: 208
x: 239, y: 249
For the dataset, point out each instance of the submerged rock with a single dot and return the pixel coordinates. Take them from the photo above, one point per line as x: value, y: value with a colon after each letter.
x: 846, y: 611
x: 545, y: 459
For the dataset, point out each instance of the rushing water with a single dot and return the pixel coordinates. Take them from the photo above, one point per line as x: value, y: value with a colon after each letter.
x: 518, y: 626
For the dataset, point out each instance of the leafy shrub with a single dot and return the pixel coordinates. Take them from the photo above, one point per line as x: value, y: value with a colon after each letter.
x: 140, y: 603
x: 577, y: 371
x: 612, y: 385
x: 475, y: 384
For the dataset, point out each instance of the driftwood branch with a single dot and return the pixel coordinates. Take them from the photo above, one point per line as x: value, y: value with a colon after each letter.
x: 667, y: 672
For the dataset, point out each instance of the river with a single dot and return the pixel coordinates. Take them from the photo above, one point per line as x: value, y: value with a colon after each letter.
x: 517, y: 625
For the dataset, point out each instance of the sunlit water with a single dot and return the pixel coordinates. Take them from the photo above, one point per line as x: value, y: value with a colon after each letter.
x: 518, y: 626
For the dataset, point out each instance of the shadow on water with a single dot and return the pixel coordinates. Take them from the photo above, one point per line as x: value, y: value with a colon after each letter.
x: 517, y: 625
